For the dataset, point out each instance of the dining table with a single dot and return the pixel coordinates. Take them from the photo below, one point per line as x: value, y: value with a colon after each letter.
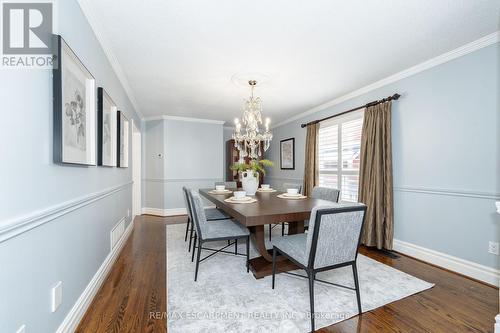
x: 267, y: 209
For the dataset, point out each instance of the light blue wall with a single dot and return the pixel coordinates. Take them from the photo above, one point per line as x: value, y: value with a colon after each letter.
x: 69, y: 247
x: 193, y: 157
x: 445, y: 139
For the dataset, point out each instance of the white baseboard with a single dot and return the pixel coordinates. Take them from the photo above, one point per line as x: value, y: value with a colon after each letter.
x: 465, y: 267
x: 78, y: 310
x: 167, y: 212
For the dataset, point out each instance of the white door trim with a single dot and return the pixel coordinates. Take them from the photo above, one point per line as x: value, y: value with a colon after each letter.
x: 136, y: 170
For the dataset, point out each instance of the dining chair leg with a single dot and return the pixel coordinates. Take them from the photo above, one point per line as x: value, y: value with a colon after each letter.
x: 274, y: 265
x: 197, y: 260
x: 236, y: 246
x: 191, y: 236
x: 356, y: 284
x: 248, y: 254
x: 194, y: 247
x: 282, y: 229
x: 310, y: 275
x: 270, y: 230
x: 187, y: 230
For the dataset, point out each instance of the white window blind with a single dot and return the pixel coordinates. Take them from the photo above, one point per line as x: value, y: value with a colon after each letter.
x: 339, y: 153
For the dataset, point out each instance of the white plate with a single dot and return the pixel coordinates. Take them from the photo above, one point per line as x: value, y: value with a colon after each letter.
x: 223, y: 191
x: 241, y: 199
x: 267, y: 189
x: 292, y: 195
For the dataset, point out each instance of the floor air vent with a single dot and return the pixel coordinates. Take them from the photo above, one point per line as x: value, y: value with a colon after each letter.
x: 117, y: 232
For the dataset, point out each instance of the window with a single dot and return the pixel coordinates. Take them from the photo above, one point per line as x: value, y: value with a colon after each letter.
x: 339, y: 153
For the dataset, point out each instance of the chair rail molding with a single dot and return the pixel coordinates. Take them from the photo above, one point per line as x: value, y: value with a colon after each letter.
x: 14, y: 227
x: 180, y: 180
x: 448, y: 192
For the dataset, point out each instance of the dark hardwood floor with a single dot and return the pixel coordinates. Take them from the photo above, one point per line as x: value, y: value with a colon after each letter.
x: 136, y: 287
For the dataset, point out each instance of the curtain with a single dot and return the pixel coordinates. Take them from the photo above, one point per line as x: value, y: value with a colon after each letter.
x: 375, y: 176
x: 311, y: 167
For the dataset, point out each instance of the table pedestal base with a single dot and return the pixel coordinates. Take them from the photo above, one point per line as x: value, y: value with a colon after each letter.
x: 260, y: 267
x: 263, y: 266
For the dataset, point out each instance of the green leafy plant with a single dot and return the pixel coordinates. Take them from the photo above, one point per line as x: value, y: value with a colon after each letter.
x: 255, y: 165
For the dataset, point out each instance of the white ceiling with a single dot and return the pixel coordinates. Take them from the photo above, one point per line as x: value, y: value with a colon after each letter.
x: 179, y: 56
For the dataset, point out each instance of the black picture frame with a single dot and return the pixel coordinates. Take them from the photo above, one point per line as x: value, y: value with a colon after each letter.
x: 67, y: 149
x: 104, y: 100
x: 285, y: 163
x: 122, y: 142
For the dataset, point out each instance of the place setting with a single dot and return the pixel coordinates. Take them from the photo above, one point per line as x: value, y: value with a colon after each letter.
x: 240, y: 197
x: 265, y: 188
x: 292, y: 193
x: 220, y: 189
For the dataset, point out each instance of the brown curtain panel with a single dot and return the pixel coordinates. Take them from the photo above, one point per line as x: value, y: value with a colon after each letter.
x: 375, y: 176
x: 311, y: 168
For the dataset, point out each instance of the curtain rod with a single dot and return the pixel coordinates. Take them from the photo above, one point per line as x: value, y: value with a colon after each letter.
x: 394, y: 97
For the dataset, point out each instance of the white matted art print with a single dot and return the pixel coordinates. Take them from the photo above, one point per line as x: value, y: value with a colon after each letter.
x: 74, y: 109
x: 106, y: 136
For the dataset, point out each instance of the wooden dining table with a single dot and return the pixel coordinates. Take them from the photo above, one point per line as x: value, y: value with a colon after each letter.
x: 269, y: 209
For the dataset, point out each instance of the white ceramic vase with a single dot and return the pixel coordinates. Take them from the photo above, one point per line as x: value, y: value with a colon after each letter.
x: 250, y: 182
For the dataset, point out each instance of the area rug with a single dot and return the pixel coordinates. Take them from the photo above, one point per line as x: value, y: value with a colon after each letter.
x: 228, y: 299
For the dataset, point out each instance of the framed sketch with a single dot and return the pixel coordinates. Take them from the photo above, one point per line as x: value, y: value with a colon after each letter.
x: 106, y: 129
x: 123, y: 137
x: 74, y: 108
x: 287, y: 154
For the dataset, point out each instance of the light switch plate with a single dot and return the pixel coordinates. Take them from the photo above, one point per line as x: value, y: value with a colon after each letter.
x: 56, y: 296
x: 493, y: 248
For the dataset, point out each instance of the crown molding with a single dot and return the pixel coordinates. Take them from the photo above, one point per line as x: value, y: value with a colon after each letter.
x: 480, y: 43
x: 96, y: 27
x: 195, y: 120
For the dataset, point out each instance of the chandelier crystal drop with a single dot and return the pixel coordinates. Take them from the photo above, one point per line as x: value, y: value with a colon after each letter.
x: 249, y: 141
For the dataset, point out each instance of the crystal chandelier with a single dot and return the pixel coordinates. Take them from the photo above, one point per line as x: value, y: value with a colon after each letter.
x: 251, y: 139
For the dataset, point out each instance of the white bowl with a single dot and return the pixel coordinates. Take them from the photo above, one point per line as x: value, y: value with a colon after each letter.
x: 220, y: 187
x: 265, y: 186
x: 239, y: 194
x: 292, y: 191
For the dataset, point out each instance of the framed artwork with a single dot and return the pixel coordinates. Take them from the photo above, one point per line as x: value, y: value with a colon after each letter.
x: 74, y: 108
x: 287, y: 154
x: 106, y: 129
x: 123, y: 137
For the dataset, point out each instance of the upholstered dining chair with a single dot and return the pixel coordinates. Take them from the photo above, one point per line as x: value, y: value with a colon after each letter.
x: 323, y: 193
x: 284, y: 188
x: 214, y: 231
x: 227, y: 184
x: 212, y: 214
x: 332, y: 242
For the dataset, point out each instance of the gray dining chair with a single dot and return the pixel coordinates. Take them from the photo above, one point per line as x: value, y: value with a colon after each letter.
x: 284, y: 187
x: 214, y: 231
x: 212, y: 214
x: 323, y: 193
x: 332, y: 242
x: 227, y: 184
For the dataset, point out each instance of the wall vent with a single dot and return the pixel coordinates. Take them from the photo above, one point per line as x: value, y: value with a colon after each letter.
x: 117, y: 232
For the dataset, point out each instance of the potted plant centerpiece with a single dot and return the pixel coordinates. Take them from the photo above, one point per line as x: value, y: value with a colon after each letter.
x: 249, y: 173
